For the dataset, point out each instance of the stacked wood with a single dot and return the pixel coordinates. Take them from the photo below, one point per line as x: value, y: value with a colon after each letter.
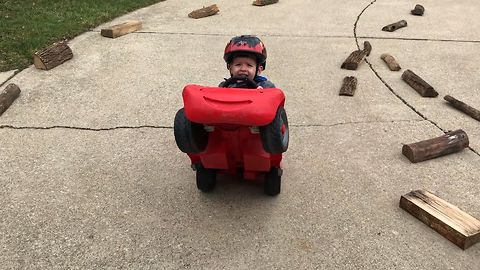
x: 391, y: 62
x: 417, y: 83
x: 418, y: 10
x: 9, y: 94
x: 52, y: 56
x: 457, y: 104
x: 367, y: 48
x: 349, y: 86
x: 121, y: 29
x: 264, y: 2
x: 204, y: 12
x: 448, y: 220
x: 451, y: 142
x: 354, y: 59
x: 394, y: 26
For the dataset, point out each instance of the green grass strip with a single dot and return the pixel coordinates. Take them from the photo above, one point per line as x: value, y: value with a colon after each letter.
x: 30, y: 25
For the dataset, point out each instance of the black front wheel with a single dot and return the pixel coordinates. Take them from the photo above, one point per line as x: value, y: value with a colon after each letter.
x: 190, y: 137
x: 275, y: 135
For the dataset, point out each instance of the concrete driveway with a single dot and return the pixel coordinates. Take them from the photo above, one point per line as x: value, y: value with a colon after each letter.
x: 92, y: 178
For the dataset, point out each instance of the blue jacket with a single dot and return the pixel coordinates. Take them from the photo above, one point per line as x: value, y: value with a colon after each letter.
x: 263, y: 82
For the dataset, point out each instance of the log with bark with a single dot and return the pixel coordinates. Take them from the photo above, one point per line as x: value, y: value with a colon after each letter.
x: 391, y: 62
x: 451, y: 142
x: 264, y: 2
x: 417, y: 83
x: 394, y: 26
x: 349, y: 86
x: 448, y: 220
x: 121, y: 29
x: 474, y: 113
x: 418, y: 10
x: 204, y: 12
x: 367, y: 48
x: 52, y: 56
x: 354, y: 59
x: 8, y: 96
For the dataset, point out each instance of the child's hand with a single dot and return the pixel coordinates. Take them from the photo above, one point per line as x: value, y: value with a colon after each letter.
x: 259, y: 87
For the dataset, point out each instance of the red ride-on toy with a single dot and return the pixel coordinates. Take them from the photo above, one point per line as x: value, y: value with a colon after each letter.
x: 223, y: 130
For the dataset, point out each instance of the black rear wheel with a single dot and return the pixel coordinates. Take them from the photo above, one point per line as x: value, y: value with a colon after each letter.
x: 273, y: 182
x: 206, y: 179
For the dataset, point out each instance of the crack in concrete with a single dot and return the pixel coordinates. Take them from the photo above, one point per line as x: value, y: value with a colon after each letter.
x: 388, y: 86
x: 171, y: 127
x: 83, y: 128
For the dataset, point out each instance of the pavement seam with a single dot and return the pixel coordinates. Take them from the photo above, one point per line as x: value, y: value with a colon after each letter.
x: 229, y: 35
x: 353, y: 123
x: 9, y: 78
x: 422, y: 39
x: 388, y: 86
x: 305, y: 36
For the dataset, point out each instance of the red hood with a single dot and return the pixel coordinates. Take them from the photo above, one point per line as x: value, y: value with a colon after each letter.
x: 217, y: 105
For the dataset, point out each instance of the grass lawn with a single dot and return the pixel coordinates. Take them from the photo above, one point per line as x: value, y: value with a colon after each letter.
x: 29, y: 25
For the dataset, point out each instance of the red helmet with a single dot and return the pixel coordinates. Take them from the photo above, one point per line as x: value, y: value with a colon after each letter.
x: 246, y: 45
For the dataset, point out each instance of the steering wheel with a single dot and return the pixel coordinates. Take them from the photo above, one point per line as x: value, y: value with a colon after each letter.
x: 240, y: 82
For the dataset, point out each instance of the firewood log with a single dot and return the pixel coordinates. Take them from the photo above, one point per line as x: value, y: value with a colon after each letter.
x: 394, y: 26
x: 367, y: 48
x: 52, y: 56
x: 121, y: 29
x: 451, y: 142
x: 9, y: 94
x: 474, y: 113
x: 418, y: 10
x: 204, y: 12
x: 417, y: 83
x: 391, y: 62
x: 349, y: 86
x: 448, y: 220
x: 264, y: 2
x: 353, y: 60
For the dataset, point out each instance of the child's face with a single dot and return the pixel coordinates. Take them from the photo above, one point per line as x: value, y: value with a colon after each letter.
x: 244, y: 66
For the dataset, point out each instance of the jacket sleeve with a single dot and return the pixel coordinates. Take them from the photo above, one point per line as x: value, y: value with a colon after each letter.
x: 266, y: 84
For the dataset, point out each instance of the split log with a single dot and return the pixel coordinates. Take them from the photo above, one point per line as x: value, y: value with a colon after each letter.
x: 418, y: 10
x: 448, y: 220
x: 52, y: 56
x: 391, y: 62
x: 11, y: 92
x: 121, y: 29
x: 349, y: 86
x: 354, y: 59
x: 417, y: 83
x: 204, y: 12
x: 474, y: 113
x: 451, y: 142
x: 394, y: 26
x: 264, y: 2
x: 367, y: 48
